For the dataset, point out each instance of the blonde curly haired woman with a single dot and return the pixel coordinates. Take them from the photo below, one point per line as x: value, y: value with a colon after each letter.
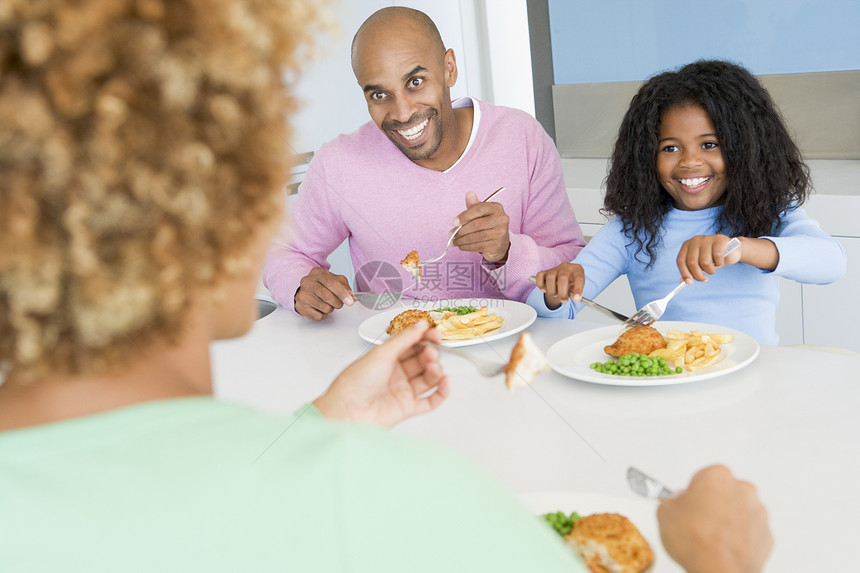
x: 141, y: 174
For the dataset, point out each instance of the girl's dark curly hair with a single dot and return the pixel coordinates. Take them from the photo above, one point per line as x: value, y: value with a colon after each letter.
x: 765, y: 171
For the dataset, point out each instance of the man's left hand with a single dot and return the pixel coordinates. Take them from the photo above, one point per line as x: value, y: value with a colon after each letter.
x: 485, y: 229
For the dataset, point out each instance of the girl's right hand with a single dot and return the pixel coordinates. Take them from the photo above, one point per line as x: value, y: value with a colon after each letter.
x: 703, y: 255
x: 561, y: 283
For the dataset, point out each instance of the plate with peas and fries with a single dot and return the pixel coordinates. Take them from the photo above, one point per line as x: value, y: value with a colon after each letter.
x: 694, y: 352
x: 463, y: 322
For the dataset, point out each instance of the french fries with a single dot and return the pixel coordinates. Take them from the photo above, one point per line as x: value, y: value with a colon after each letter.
x: 692, y: 350
x: 465, y: 326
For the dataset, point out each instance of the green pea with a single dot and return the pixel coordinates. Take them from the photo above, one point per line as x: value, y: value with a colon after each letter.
x: 635, y: 365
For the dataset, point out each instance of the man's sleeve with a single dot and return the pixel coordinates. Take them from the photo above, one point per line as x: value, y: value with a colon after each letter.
x: 313, y: 229
x: 550, y: 234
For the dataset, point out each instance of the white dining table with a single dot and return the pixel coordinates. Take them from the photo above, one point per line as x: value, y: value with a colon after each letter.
x: 788, y: 422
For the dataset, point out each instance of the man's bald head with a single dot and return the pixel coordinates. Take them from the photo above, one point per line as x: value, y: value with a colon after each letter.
x: 395, y: 17
x: 406, y: 75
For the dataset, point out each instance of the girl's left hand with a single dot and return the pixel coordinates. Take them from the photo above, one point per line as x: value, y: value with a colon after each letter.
x: 703, y: 255
x: 390, y: 383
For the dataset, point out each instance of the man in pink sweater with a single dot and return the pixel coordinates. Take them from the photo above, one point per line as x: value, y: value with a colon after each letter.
x: 420, y: 168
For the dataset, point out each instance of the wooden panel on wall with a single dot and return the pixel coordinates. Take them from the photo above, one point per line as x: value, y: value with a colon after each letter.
x: 822, y: 109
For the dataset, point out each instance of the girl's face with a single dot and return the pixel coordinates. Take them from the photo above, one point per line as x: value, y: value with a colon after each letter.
x: 689, y: 161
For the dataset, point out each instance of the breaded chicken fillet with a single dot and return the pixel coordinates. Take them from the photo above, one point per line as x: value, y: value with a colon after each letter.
x: 610, y: 543
x: 639, y: 339
x: 407, y: 318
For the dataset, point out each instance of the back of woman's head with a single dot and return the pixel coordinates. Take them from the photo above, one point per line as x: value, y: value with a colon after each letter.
x: 765, y: 171
x: 140, y: 145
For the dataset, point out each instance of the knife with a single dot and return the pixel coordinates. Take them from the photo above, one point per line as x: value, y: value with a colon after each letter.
x: 375, y: 298
x: 647, y: 486
x: 598, y: 307
x: 607, y: 311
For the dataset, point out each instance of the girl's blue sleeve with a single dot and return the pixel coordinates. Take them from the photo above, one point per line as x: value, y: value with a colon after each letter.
x: 806, y: 253
x: 603, y: 259
x: 536, y: 301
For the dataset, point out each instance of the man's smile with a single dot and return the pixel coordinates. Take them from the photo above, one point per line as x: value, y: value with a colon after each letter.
x: 417, y: 137
x: 413, y: 132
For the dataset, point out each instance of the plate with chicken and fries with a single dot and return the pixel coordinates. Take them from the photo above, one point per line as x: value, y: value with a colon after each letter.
x: 463, y: 322
x: 695, y: 351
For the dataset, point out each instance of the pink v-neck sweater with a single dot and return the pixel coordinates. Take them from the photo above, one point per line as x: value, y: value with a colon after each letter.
x: 361, y: 187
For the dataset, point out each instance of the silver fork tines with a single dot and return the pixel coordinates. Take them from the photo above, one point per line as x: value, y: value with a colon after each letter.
x: 484, y: 367
x: 651, y: 312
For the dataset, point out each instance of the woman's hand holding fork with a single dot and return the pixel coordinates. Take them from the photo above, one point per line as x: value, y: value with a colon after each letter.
x: 395, y: 381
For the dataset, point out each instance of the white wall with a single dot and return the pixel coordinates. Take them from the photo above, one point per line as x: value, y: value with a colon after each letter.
x: 489, y: 39
x: 509, y: 54
x: 630, y: 40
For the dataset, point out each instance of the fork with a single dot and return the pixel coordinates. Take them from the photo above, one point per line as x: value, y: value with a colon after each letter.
x: 651, y: 312
x: 484, y: 367
x: 451, y: 238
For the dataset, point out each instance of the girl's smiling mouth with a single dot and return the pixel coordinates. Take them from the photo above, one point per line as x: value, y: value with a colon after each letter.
x: 693, y: 183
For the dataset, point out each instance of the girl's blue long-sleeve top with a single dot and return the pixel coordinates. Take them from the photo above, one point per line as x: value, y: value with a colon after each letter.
x: 739, y: 296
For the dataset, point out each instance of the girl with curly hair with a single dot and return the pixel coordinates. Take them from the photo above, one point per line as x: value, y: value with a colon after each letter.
x: 702, y: 155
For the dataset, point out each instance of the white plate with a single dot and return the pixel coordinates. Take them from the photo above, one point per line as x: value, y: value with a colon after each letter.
x: 517, y: 316
x: 642, y: 512
x: 573, y: 356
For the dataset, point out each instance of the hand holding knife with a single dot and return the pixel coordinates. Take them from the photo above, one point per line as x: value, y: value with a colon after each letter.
x: 598, y: 307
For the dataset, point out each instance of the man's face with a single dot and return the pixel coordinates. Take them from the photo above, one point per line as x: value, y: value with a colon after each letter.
x: 406, y: 82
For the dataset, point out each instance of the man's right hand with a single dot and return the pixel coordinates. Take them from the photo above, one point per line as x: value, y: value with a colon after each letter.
x: 320, y: 293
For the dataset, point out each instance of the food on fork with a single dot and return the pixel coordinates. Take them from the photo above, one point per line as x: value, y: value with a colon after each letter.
x: 609, y: 542
x: 411, y: 264
x: 527, y: 361
x: 407, y: 318
x: 638, y: 340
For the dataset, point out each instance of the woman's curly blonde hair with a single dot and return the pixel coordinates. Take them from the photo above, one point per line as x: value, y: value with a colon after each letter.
x: 140, y: 145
